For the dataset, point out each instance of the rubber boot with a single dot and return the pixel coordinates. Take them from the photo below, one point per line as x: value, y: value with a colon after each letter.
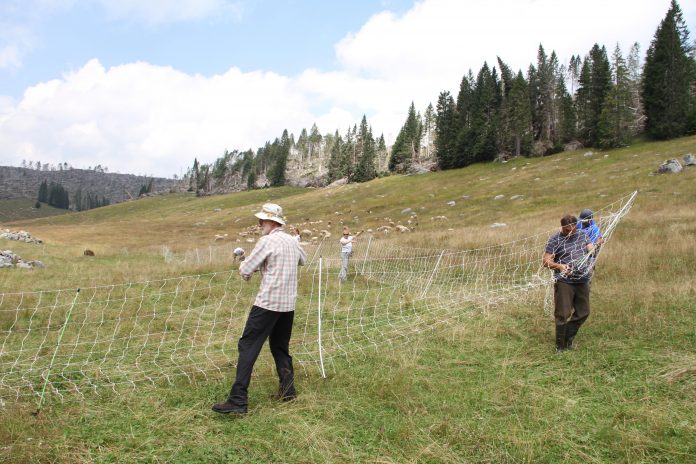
x: 571, y: 332
x: 560, y: 338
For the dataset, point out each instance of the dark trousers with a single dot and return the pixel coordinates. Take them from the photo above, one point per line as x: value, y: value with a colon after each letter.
x: 260, y: 325
x: 572, y: 308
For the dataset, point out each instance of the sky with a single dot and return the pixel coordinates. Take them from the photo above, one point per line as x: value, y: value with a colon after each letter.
x: 144, y: 86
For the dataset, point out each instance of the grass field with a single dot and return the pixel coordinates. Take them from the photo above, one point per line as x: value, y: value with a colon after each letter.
x: 17, y: 210
x: 486, y: 387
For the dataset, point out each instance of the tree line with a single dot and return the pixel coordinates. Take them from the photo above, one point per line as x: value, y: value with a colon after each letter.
x: 351, y: 155
x: 54, y: 194
x: 610, y: 102
x: 603, y: 99
x: 64, y: 166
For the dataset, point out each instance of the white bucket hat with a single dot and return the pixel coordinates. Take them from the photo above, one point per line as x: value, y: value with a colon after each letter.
x: 271, y: 212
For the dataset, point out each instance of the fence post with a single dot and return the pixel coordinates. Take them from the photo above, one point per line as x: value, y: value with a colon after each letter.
x: 321, y: 355
x: 55, y: 352
x: 437, y: 265
x: 362, y: 271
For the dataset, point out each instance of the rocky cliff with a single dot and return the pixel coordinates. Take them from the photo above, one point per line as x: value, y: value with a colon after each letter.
x: 24, y: 183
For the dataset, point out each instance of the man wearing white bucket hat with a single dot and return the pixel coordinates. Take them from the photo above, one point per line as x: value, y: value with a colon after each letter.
x: 277, y: 255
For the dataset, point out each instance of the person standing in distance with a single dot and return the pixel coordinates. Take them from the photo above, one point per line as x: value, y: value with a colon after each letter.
x: 346, y: 251
x: 277, y: 255
x: 566, y: 254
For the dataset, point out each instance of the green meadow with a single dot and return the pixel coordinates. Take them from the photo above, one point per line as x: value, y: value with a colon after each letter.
x: 482, y: 386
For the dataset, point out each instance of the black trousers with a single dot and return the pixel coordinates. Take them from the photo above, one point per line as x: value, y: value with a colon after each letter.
x: 260, y: 325
x: 572, y: 308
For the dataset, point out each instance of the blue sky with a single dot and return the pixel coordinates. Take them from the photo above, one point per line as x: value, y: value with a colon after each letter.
x: 143, y: 86
x: 282, y: 36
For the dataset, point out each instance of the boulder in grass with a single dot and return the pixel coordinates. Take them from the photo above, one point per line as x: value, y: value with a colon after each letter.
x: 689, y: 160
x: 573, y: 145
x: 670, y: 166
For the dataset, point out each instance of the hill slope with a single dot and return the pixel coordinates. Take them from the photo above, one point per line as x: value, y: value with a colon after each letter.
x: 484, y: 388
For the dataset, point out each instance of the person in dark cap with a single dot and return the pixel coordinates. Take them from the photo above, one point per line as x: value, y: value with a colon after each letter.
x: 568, y: 253
x: 588, y: 225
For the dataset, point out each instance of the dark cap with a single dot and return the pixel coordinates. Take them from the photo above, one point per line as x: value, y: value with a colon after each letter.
x: 586, y: 214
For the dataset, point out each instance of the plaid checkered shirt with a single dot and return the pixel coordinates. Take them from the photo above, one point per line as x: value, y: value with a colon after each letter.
x: 277, y: 256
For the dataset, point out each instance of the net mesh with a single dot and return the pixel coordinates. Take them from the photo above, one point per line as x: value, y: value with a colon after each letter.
x: 186, y: 328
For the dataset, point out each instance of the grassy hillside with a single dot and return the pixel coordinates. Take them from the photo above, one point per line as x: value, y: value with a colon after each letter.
x: 485, y: 388
x: 17, y: 210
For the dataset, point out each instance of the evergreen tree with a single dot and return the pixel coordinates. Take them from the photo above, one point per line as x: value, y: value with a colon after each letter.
x: 574, y: 68
x: 635, y: 72
x: 407, y: 143
x: 568, y: 127
x: 280, y: 149
x: 348, y: 153
x: 463, y: 137
x: 77, y: 201
x: 484, y: 117
x: 193, y: 181
x: 336, y: 168
x: 601, y: 84
x: 505, y: 138
x: 43, y: 192
x: 615, y: 122
x: 446, y: 131
x: 595, y: 83
x: 668, y: 78
x: 520, y: 115
x: 58, y: 196
x: 303, y: 145
x: 428, y: 129
x: 365, y: 169
x: 315, y: 140
x: 382, y: 154
x: 582, y: 101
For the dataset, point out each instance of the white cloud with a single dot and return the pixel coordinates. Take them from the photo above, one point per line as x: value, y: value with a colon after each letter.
x: 169, y: 11
x: 149, y: 119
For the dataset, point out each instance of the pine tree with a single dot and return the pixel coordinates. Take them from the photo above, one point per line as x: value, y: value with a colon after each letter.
x: 635, y: 72
x: 595, y: 83
x: 336, y: 168
x: 382, y: 155
x: 445, y: 131
x: 193, y: 181
x: 77, y: 200
x: 407, y: 143
x: 463, y: 137
x: 668, y: 78
x: 43, y: 192
x: 484, y: 117
x: 348, y: 153
x: 428, y: 128
x: 365, y: 169
x: 615, y: 122
x: 520, y: 115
